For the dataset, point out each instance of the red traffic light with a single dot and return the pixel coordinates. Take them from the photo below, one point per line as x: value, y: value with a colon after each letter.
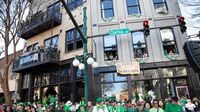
x: 145, y: 22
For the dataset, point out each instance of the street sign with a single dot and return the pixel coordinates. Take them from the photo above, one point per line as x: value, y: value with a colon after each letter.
x: 118, y: 32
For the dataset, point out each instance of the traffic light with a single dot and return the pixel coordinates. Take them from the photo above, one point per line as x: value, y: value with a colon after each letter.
x: 182, y: 23
x: 146, y: 28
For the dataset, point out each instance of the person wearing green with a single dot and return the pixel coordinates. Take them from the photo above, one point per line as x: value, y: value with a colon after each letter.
x: 173, y: 106
x: 140, y: 108
x: 155, y: 107
x: 100, y: 107
x: 82, y: 108
x: 129, y: 107
x: 114, y: 107
x: 67, y: 106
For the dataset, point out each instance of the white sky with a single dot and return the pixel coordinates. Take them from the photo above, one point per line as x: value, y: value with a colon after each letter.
x: 185, y: 10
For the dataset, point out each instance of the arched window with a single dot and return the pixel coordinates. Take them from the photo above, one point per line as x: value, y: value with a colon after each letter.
x: 107, y: 8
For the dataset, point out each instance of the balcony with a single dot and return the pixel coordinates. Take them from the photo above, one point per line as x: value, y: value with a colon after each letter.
x: 39, y: 23
x: 38, y: 59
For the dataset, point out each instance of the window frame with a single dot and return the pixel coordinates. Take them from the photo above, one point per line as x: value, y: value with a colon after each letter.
x: 31, y: 47
x: 174, y: 40
x: 128, y: 6
x: 104, y: 9
x: 51, y: 41
x: 164, y: 2
x: 110, y: 47
x: 52, y: 12
x: 74, y: 40
x: 141, y: 43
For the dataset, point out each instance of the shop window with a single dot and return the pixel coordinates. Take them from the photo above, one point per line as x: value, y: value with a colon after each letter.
x: 168, y: 41
x: 150, y: 74
x: 73, y: 40
x: 160, y: 6
x: 26, y: 81
x: 65, y: 92
x: 167, y: 72
x: 54, y: 77
x: 142, y: 87
x: 139, y: 45
x: 37, y: 80
x: 119, y: 78
x: 119, y: 90
x: 79, y: 74
x: 51, y: 42
x: 72, y: 4
x: 133, y: 7
x: 107, y: 8
x: 45, y: 79
x: 180, y: 71
x: 65, y: 73
x: 110, y: 48
x: 107, y: 77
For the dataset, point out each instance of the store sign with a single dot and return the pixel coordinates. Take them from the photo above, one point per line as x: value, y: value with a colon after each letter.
x: 118, y: 32
x: 128, y: 68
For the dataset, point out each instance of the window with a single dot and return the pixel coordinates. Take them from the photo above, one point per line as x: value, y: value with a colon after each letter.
x: 73, y: 40
x: 139, y: 45
x: 79, y: 74
x: 32, y: 48
x: 26, y: 81
x: 133, y: 7
x: 169, y: 44
x: 110, y: 48
x: 160, y: 5
x: 53, y: 10
x: 51, y: 42
x: 112, y: 77
x: 107, y: 8
x: 72, y: 4
x: 65, y: 73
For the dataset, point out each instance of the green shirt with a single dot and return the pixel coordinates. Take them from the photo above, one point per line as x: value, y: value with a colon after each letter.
x: 173, y: 108
x: 156, y: 110
x: 116, y: 109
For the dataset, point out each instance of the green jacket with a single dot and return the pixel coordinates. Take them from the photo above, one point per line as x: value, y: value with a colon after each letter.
x: 116, y: 109
x: 143, y: 110
x: 173, y: 108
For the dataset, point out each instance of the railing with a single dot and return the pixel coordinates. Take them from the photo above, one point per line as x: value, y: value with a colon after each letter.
x: 41, y: 56
x: 39, y: 22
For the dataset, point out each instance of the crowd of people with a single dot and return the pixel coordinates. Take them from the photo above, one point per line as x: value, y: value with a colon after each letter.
x: 110, y: 104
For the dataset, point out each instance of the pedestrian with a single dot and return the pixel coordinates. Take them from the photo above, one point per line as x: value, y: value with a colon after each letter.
x: 140, y: 107
x: 114, y: 107
x: 129, y: 107
x: 156, y: 107
x: 67, y: 106
x: 189, y: 106
x: 90, y: 106
x: 173, y: 106
x: 100, y: 107
x: 147, y: 105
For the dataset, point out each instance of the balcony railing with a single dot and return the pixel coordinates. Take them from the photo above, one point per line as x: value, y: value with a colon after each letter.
x: 36, y: 59
x: 39, y: 23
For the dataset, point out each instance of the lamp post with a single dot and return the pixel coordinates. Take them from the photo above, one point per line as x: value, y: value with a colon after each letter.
x: 82, y: 61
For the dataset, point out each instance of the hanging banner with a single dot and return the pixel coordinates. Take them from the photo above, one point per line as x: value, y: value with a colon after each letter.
x: 128, y: 68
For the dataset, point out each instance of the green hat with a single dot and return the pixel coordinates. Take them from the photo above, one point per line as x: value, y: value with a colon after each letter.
x: 112, y: 99
x: 99, y: 99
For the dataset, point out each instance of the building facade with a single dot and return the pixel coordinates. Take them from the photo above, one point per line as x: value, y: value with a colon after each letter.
x: 164, y: 67
x: 53, y: 42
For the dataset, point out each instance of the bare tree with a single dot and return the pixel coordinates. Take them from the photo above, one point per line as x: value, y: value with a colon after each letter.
x: 12, y: 13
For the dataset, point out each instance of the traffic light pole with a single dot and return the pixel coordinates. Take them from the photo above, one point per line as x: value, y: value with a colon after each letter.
x: 84, y: 39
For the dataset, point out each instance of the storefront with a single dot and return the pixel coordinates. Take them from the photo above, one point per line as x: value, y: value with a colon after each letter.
x: 64, y: 81
x: 161, y: 79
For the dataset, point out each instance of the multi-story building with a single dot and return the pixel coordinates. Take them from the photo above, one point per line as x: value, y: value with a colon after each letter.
x: 46, y: 65
x: 164, y: 67
x: 52, y: 43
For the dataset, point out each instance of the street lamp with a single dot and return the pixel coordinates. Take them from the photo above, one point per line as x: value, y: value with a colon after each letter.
x: 85, y: 60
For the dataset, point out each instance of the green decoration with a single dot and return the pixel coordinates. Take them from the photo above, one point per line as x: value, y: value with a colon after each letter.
x: 108, y: 19
x: 142, y: 60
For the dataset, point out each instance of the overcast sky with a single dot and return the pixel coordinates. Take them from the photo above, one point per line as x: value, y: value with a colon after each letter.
x: 193, y: 24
